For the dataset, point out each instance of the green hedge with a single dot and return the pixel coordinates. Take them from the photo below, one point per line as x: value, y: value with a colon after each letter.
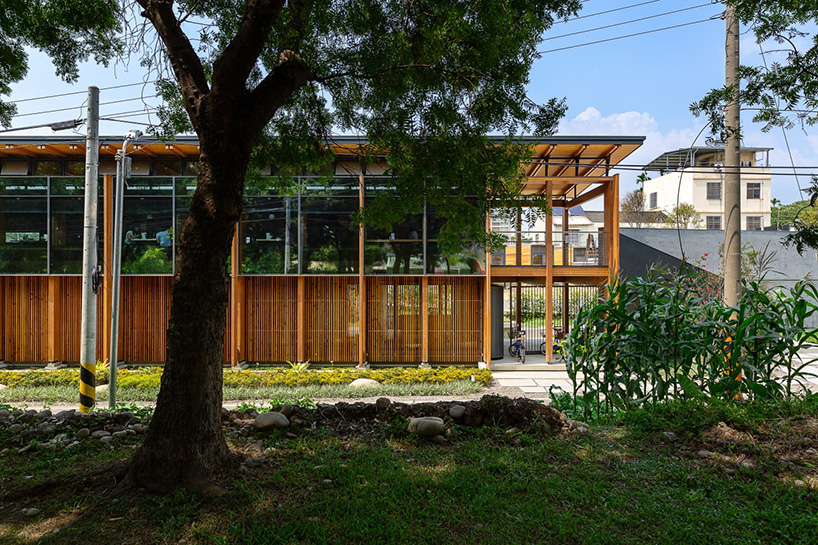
x: 149, y: 377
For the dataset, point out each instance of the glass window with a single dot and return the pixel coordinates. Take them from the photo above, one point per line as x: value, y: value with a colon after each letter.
x: 713, y: 222
x: 654, y: 200
x: 191, y: 168
x: 753, y: 190
x: 398, y: 250
x: 47, y: 168
x: 147, y: 245
x: 75, y: 168
x: 714, y: 191
x: 23, y: 235
x: 67, y: 218
x: 329, y: 234
x: 754, y: 223
x: 169, y: 168
x: 268, y: 238
x: 470, y: 258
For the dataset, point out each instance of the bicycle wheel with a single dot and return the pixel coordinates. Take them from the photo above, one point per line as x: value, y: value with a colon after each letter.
x: 522, y: 354
x: 512, y: 351
x: 542, y: 348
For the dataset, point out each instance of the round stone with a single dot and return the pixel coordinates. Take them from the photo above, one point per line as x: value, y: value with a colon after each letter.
x: 426, y: 426
x: 106, y: 439
x: 270, y: 420
x: 119, y: 434
x: 31, y: 512
x: 83, y: 433
x: 704, y: 454
x: 99, y: 434
x: 457, y: 411
x: 44, y: 414
x: 364, y: 383
x: 383, y: 403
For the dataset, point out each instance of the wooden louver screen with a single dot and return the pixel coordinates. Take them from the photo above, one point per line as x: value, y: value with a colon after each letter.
x: 393, y: 319
x: 271, y: 318
x: 455, y: 307
x: 331, y: 318
x: 24, y: 318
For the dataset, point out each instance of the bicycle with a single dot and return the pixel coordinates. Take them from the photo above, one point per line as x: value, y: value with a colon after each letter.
x: 517, y: 347
x: 559, y: 340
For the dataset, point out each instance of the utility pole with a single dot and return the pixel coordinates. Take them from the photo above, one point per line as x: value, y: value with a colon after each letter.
x: 732, y: 162
x: 88, y: 327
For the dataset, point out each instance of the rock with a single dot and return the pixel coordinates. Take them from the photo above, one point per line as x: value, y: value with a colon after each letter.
x: 704, y: 454
x: 138, y: 428
x: 64, y: 414
x: 102, y: 388
x: 270, y: 420
x: 799, y: 482
x: 296, y: 421
x: 457, y: 411
x: 439, y: 439
x: 426, y: 426
x: 14, y: 428
x: 670, y: 436
x: 99, y: 434
x: 45, y: 428
x: 255, y: 461
x: 45, y: 413
x: 31, y: 512
x: 83, y: 433
x: 106, y: 439
x: 287, y: 410
x: 364, y: 383
x: 383, y: 403
x: 4, y: 413
x: 119, y: 434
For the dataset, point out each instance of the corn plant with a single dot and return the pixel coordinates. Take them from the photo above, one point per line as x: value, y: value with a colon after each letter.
x: 661, y: 338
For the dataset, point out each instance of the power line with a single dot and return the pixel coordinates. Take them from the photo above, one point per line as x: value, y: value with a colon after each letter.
x: 608, y: 11
x: 76, y: 107
x: 626, y: 22
x: 626, y: 36
x: 79, y: 92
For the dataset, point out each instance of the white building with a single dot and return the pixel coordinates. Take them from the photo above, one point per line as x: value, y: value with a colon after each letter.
x: 696, y: 176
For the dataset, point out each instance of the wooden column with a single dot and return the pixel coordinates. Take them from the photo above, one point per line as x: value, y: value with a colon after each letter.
x: 424, y: 319
x: 612, y: 226
x: 487, y: 305
x: 301, y: 320
x: 565, y: 249
x: 361, y: 280
x: 55, y: 328
x: 234, y: 270
x: 549, y: 275
x: 108, y: 255
x: 565, y: 313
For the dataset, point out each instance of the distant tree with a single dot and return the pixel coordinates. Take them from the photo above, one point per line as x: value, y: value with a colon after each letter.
x: 633, y: 208
x: 684, y: 216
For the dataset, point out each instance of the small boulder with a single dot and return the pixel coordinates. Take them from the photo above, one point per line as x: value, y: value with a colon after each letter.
x: 364, y: 383
x: 106, y: 439
x: 4, y: 413
x: 457, y: 411
x: 83, y: 433
x: 119, y: 434
x: 704, y: 454
x: 31, y: 512
x: 138, y: 428
x: 99, y: 434
x: 383, y: 403
x: 45, y: 413
x: 270, y: 420
x: 670, y: 436
x: 287, y: 410
x: 426, y: 426
x: 14, y: 428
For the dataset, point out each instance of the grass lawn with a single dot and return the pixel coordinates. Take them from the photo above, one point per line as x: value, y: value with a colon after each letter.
x: 615, y: 484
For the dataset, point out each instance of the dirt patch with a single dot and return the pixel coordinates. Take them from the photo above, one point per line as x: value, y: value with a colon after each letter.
x: 722, y: 434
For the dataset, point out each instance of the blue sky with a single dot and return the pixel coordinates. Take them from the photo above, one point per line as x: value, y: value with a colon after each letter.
x: 640, y: 85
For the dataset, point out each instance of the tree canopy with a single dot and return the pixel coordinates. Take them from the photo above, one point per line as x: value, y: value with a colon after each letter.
x: 68, y: 31
x: 684, y: 216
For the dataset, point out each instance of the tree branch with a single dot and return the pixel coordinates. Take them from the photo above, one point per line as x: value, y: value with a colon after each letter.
x: 286, y: 78
x: 186, y: 63
x: 235, y: 63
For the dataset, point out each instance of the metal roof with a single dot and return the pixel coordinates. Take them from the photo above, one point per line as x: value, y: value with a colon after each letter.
x: 683, y: 157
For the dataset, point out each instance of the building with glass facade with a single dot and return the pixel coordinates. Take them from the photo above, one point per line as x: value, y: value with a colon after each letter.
x: 307, y: 282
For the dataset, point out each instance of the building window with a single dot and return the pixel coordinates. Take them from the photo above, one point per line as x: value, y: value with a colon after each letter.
x: 714, y: 191
x: 753, y: 191
x: 654, y: 200
x: 713, y: 223
x: 754, y: 223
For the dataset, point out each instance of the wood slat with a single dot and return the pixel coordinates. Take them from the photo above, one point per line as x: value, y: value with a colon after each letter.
x: 393, y: 319
x: 25, y: 318
x: 144, y: 315
x: 455, y: 307
x: 331, y: 319
x: 270, y: 318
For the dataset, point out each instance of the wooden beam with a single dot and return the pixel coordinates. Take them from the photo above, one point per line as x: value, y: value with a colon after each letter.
x: 424, y: 319
x: 613, y: 237
x: 234, y: 293
x: 54, y: 322
x: 176, y: 150
x: 108, y: 253
x: 574, y: 158
x: 22, y: 150
x: 144, y: 149
x: 585, y: 197
x: 362, y: 340
x: 301, y: 320
x: 53, y: 150
x: 549, y: 279
x: 487, y: 304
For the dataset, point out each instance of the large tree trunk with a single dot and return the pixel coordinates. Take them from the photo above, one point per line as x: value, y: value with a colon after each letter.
x: 185, y: 443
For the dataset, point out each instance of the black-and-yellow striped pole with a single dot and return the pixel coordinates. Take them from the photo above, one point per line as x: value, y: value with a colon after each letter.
x: 88, y: 386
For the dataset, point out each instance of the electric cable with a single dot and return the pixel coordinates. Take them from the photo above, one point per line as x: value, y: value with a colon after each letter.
x: 78, y: 92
